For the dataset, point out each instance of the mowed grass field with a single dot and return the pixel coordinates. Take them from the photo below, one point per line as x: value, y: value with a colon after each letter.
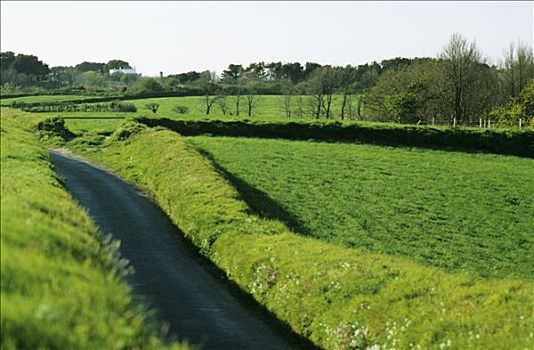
x: 457, y: 211
x: 266, y: 107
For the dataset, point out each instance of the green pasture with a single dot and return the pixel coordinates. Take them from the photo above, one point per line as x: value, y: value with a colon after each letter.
x: 359, y: 297
x: 461, y: 212
x: 45, y: 98
x: 266, y: 107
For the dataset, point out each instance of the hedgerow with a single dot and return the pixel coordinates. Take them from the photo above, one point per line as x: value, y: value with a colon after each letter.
x: 518, y: 142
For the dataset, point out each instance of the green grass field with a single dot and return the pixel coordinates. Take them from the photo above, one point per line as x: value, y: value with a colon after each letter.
x: 266, y: 108
x: 354, y: 246
x: 339, y: 297
x: 462, y: 212
x: 61, y: 285
x: 45, y: 98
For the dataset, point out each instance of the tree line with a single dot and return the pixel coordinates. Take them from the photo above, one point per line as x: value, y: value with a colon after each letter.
x: 459, y: 85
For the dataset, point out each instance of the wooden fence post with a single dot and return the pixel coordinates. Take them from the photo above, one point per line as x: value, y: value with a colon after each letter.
x: 489, y: 123
x: 520, y: 123
x: 454, y: 122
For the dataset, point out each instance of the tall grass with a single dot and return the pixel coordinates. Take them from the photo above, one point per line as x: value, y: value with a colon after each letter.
x: 339, y: 297
x: 61, y: 287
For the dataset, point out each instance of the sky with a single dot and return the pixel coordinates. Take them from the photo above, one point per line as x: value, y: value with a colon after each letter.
x: 174, y: 37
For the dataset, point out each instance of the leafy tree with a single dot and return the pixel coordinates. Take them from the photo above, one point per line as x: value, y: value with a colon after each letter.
x: 30, y: 65
x: 6, y: 60
x: 322, y: 84
x: 519, y: 107
x: 63, y: 75
x: 232, y: 74
x: 518, y: 68
x: 406, y: 95
x: 309, y: 67
x: 183, y: 78
x: 258, y: 70
x: 152, y: 107
x: 91, y: 79
x: 403, y: 106
x: 117, y: 64
x: 367, y: 74
x: 151, y: 85
x: 397, y: 63
x: 91, y: 67
x: 294, y: 72
x: 460, y: 73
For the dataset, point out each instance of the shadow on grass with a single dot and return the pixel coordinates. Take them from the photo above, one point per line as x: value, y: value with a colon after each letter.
x: 258, y: 201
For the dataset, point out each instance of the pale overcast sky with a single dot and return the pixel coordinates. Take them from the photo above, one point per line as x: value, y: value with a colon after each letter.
x: 175, y: 37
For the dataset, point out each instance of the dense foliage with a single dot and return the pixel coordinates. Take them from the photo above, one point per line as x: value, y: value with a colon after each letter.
x: 458, y: 86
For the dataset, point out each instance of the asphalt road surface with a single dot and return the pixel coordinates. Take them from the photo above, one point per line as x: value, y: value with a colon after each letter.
x: 196, y: 302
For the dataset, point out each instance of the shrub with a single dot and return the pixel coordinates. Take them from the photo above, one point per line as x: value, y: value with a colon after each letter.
x: 153, y: 107
x: 126, y: 107
x: 126, y: 130
x: 49, y: 128
x: 181, y: 109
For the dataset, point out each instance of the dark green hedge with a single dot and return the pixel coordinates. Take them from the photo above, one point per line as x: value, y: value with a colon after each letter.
x: 503, y: 141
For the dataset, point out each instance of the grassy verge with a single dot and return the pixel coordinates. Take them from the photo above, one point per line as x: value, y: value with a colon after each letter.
x: 458, y: 211
x: 340, y: 298
x: 501, y: 141
x: 61, y: 287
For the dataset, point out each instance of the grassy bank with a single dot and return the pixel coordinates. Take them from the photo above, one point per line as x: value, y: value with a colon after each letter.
x: 340, y: 298
x: 61, y: 287
x: 459, y: 211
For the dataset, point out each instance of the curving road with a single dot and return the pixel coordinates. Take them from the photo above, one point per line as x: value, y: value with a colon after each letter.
x: 188, y: 294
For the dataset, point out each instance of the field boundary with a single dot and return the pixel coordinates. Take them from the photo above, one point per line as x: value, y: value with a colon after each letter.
x: 506, y: 141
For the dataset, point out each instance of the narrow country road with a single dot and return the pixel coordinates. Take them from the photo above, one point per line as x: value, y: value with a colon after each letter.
x: 195, y: 301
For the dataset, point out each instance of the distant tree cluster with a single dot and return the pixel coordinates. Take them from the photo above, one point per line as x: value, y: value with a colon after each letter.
x: 459, y: 85
x: 27, y: 73
x: 21, y: 69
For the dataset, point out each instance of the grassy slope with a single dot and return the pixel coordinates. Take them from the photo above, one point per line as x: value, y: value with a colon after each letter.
x: 338, y: 297
x: 453, y: 210
x: 61, y: 288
